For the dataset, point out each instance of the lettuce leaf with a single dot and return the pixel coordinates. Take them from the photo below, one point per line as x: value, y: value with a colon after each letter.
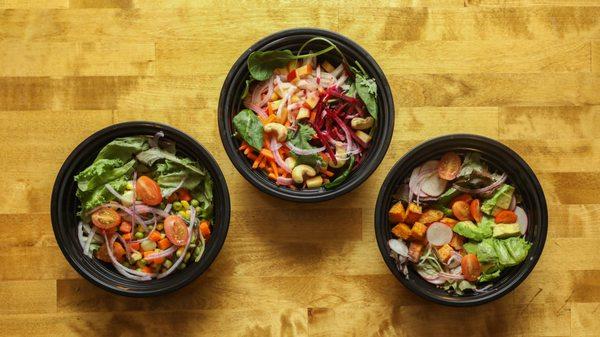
x: 152, y: 155
x: 123, y: 148
x: 504, y: 253
x: 473, y: 231
x: 96, y: 197
x: 101, y: 172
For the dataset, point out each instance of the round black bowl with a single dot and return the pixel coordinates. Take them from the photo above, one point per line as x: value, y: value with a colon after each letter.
x: 230, y: 104
x: 497, y: 156
x: 64, y: 206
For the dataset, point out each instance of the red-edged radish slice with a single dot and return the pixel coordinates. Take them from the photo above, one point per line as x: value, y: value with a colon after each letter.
x: 399, y: 247
x: 433, y: 185
x: 439, y: 234
x: 428, y: 167
x: 414, y: 179
x: 449, y: 166
x: 522, y: 219
x: 513, y: 203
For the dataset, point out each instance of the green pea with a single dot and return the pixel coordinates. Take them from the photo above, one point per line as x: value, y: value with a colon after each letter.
x: 197, y: 251
x: 139, y: 235
x: 167, y: 264
x: 197, y: 208
x: 187, y: 257
x: 195, y: 202
x: 181, y: 266
x: 177, y: 206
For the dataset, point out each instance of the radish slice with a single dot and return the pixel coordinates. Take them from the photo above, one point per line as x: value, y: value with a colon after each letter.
x: 433, y: 185
x: 513, y: 203
x: 429, y: 166
x: 399, y: 247
x: 521, y: 219
x: 438, y: 234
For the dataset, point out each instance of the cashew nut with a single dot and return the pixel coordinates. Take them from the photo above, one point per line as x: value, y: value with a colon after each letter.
x: 340, y: 156
x: 300, y: 171
x: 314, y: 182
x: 290, y: 162
x: 358, y: 123
x: 279, y: 129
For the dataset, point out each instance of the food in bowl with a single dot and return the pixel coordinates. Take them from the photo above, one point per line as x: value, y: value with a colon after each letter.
x: 458, y: 223
x: 307, y: 123
x: 143, y: 208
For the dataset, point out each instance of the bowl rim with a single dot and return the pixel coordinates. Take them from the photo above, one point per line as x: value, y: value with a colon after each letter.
x: 59, y: 191
x: 366, y: 169
x: 381, y: 222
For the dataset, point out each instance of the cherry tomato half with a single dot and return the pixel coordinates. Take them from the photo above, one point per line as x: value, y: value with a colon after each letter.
x: 176, y: 230
x: 461, y: 211
x: 449, y: 166
x: 471, y: 268
x: 106, y: 218
x: 463, y: 197
x: 148, y: 190
x: 475, y: 210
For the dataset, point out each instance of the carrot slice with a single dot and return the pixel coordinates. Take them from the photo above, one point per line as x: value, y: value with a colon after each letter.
x: 275, y: 169
x: 257, y: 161
x: 267, y: 153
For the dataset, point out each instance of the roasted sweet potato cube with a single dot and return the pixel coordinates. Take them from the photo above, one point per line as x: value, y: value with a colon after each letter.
x: 415, y: 250
x: 397, y: 213
x: 418, y: 231
x: 413, y: 213
x: 444, y: 252
x: 402, y: 230
x: 449, y: 221
x: 431, y: 215
x: 457, y: 241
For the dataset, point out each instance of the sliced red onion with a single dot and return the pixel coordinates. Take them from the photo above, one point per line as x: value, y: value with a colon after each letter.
x: 454, y: 260
x: 284, y: 181
x: 90, y: 238
x: 134, y: 216
x: 115, y: 193
x: 439, y: 234
x: 484, y: 289
x: 284, y: 101
x: 318, y: 75
x: 269, y: 93
x: 522, y: 219
x: 127, y: 272
x: 454, y: 277
x: 482, y: 190
x: 399, y: 247
x: 304, y: 152
x: 259, y: 111
x: 142, y: 209
x: 277, y: 156
x: 167, y: 252
x: 124, y: 243
x: 513, y: 203
x: 168, y: 208
x: 80, y: 235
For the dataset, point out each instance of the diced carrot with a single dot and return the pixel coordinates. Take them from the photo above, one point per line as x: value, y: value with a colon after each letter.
x: 275, y: 169
x: 251, y: 156
x: 267, y: 153
x: 269, y: 169
x: 147, y: 270
x: 265, y: 141
x: 127, y: 236
x: 244, y: 146
x: 125, y: 227
x: 184, y: 194
x: 313, y: 115
x: 257, y: 161
x: 287, y: 123
x: 247, y: 150
x: 272, y: 176
x: 134, y: 245
x: 118, y: 251
x: 164, y: 243
x: 154, y: 236
x: 263, y: 162
x: 205, y: 229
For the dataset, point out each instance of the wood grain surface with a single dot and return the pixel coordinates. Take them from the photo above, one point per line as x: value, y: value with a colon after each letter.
x: 526, y: 72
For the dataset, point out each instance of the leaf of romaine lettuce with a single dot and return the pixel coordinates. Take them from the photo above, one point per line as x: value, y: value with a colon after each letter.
x: 504, y: 253
x: 100, y: 195
x: 101, y: 172
x: 152, y: 155
x: 124, y: 148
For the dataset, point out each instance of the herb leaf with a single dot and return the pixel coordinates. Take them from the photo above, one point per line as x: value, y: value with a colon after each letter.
x: 247, y: 87
x: 301, y: 139
x: 249, y: 127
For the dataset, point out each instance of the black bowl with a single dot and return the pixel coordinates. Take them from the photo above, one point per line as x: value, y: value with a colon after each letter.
x: 230, y: 104
x: 64, y: 208
x: 497, y: 156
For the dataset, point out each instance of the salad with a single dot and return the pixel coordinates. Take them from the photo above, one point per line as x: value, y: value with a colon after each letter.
x: 458, y: 224
x: 307, y: 123
x: 144, y: 209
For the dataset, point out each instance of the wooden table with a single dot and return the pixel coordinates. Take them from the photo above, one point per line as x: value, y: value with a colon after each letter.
x: 526, y: 72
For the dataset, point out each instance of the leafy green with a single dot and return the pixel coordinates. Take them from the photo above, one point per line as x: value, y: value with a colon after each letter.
x: 447, y: 196
x: 503, y: 253
x: 152, y: 155
x: 123, y: 148
x: 250, y: 128
x: 301, y: 139
x: 101, y: 172
x: 262, y: 63
x: 98, y: 196
x: 342, y: 177
x: 472, y: 165
x: 501, y: 199
x: 366, y: 88
x: 447, y: 211
x: 473, y: 231
x: 459, y: 287
x: 247, y: 88
x: 490, y: 274
x: 470, y: 247
x: 169, y: 175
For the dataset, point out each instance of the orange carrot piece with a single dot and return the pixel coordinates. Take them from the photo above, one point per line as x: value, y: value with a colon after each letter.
x: 243, y: 146
x: 134, y: 245
x: 327, y: 173
x: 154, y: 236
x: 127, y: 237
x: 164, y: 243
x: 205, y: 229
x: 247, y: 150
x: 263, y: 162
x: 147, y: 270
x: 257, y: 161
x: 267, y: 153
x: 313, y: 115
x: 272, y: 176
x: 275, y: 170
x: 251, y: 156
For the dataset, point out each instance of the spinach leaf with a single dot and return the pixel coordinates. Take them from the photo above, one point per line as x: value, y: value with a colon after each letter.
x: 301, y: 139
x: 367, y: 91
x: 249, y: 127
x: 262, y: 63
x: 342, y: 177
x: 247, y: 88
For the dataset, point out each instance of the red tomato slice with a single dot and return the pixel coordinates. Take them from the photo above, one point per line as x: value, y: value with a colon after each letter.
x: 506, y: 216
x: 471, y: 268
x: 176, y: 230
x: 106, y: 218
x: 463, y: 197
x: 449, y: 166
x: 460, y: 209
x: 475, y: 210
x: 148, y: 190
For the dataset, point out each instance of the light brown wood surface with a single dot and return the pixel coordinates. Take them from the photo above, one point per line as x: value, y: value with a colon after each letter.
x: 526, y: 72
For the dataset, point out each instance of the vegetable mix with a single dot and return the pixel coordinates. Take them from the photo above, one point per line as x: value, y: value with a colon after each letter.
x: 144, y: 209
x: 307, y: 123
x: 458, y: 224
